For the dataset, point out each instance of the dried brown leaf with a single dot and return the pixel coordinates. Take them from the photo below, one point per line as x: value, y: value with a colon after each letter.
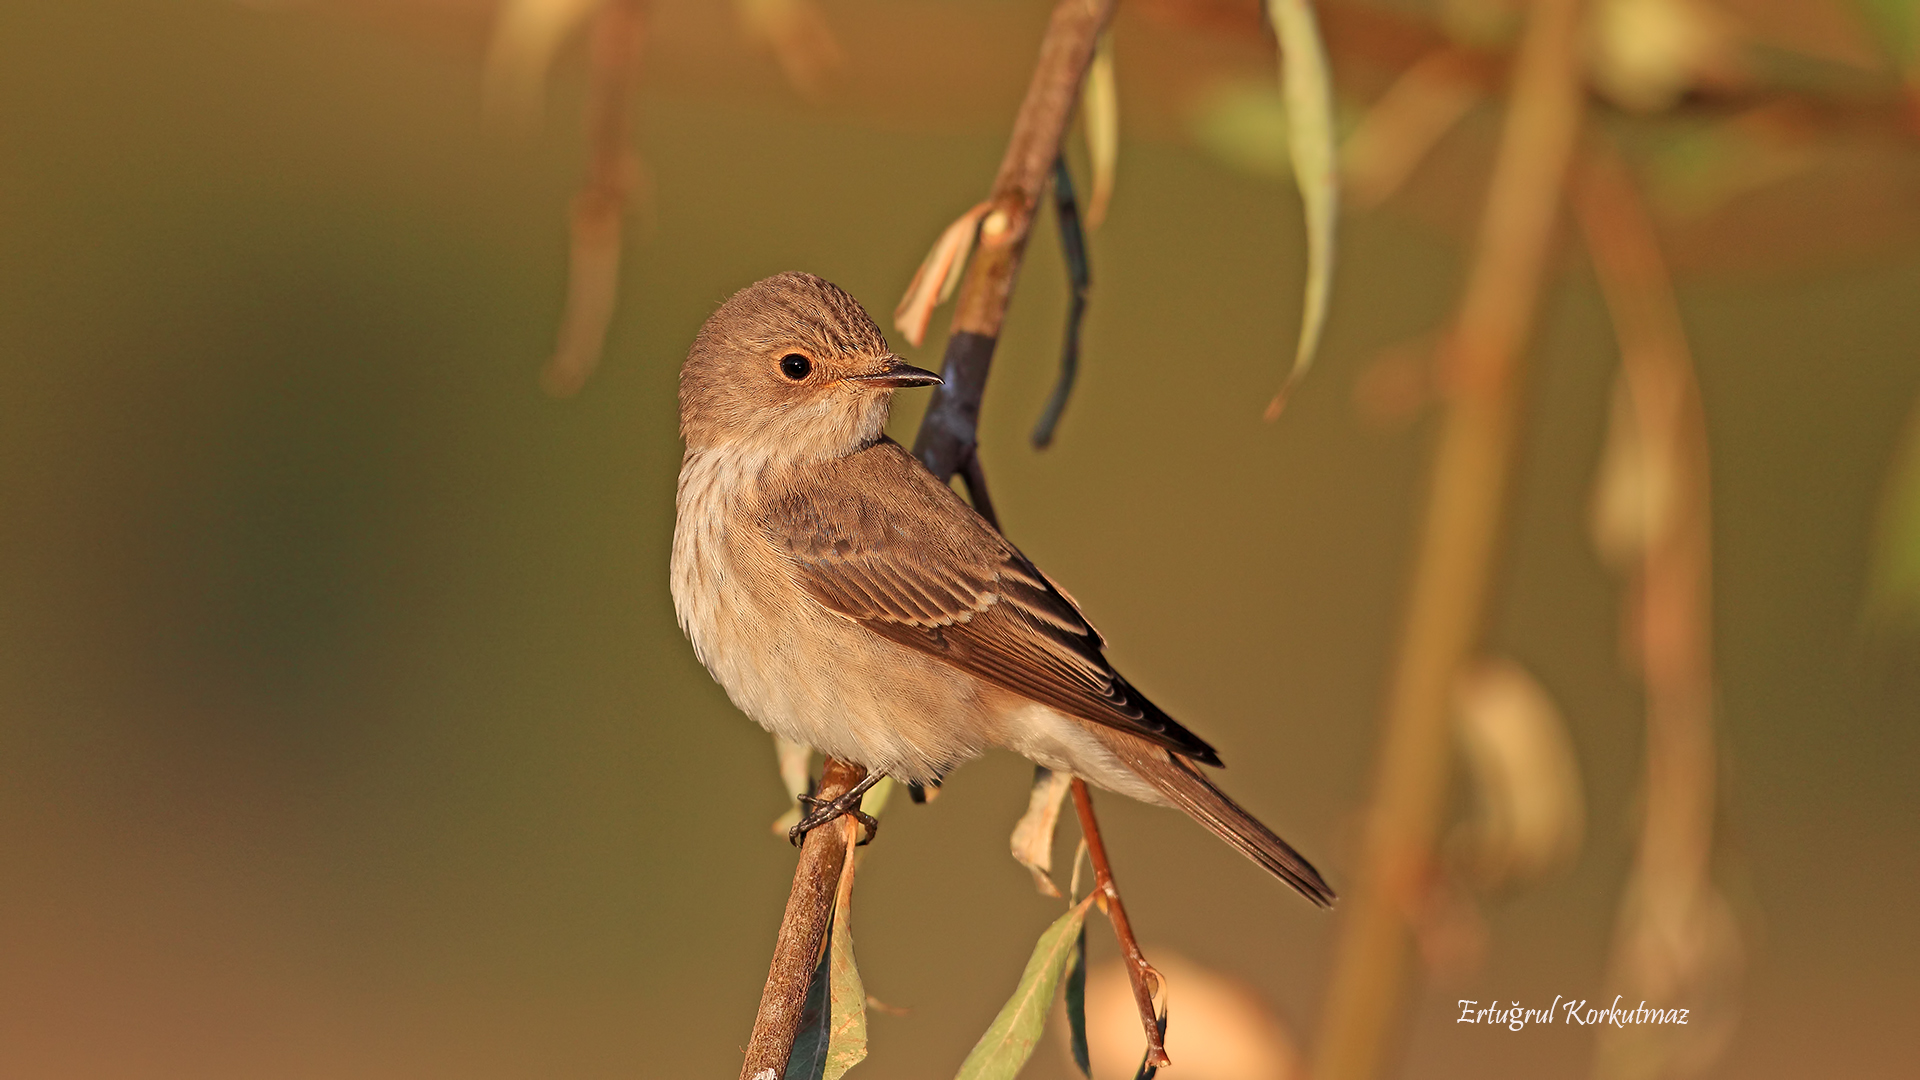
x: 938, y: 275
x: 1033, y: 834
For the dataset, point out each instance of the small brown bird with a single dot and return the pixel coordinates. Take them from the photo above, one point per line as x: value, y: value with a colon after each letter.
x: 848, y: 600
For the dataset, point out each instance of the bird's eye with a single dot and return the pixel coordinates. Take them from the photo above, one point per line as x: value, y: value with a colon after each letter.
x: 795, y: 367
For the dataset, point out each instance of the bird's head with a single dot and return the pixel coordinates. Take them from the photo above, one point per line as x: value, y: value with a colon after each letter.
x: 790, y: 365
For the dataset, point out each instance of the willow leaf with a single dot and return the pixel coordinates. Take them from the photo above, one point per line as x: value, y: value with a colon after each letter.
x: 1308, y: 89
x: 1100, y: 110
x: 1010, y: 1039
x: 1077, y: 1004
x: 847, y: 1022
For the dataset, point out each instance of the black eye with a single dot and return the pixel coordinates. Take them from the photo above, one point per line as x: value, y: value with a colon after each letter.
x: 795, y: 367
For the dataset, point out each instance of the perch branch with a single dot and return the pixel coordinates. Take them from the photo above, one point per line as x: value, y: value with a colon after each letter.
x: 949, y: 440
x: 1459, y: 537
x: 1140, y: 973
x: 796, y: 951
x: 949, y: 435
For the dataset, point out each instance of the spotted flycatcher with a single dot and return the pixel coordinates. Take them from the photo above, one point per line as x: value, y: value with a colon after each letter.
x: 848, y: 600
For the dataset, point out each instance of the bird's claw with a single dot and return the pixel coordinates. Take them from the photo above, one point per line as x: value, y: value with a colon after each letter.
x: 821, y: 811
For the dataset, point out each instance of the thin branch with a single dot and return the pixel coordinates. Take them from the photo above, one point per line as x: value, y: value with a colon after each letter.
x: 1141, y: 974
x: 1671, y: 938
x: 950, y: 431
x: 1459, y: 538
x: 803, y: 930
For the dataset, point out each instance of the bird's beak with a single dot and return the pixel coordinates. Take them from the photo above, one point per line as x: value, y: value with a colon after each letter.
x: 894, y: 372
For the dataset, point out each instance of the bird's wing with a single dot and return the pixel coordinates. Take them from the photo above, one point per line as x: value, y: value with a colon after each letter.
x: 875, y: 538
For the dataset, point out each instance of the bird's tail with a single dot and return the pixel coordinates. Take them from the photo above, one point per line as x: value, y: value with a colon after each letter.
x: 1183, y: 786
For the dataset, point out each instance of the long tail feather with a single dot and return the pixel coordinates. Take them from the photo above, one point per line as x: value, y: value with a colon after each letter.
x: 1183, y: 785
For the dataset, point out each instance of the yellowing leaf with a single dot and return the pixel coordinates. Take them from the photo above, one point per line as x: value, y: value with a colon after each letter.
x: 1308, y: 89
x: 832, y: 1036
x: 1033, y: 834
x: 847, y: 1023
x: 1100, y: 112
x: 1009, y: 1040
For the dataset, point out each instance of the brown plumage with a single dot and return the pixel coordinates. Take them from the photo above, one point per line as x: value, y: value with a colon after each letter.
x: 848, y: 600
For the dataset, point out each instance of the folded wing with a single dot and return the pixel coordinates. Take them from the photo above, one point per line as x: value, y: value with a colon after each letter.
x: 882, y: 542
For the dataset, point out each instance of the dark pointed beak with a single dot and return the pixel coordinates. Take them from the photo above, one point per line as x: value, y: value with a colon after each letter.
x: 895, y: 373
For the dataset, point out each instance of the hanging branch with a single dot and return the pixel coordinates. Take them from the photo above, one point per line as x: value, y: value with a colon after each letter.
x: 803, y: 930
x: 1459, y: 537
x: 949, y: 435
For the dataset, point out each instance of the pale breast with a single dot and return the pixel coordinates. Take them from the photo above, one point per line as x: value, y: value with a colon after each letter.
x: 799, y: 670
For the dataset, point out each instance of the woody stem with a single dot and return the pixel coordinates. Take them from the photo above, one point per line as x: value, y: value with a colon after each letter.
x: 1140, y: 973
x: 823, y: 853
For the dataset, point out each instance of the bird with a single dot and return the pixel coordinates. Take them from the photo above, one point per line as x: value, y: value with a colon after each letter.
x: 847, y: 599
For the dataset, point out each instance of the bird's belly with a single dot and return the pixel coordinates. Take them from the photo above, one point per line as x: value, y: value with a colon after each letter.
x: 815, y: 677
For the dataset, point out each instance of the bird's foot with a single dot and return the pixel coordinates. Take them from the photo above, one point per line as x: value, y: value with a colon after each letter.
x: 821, y: 811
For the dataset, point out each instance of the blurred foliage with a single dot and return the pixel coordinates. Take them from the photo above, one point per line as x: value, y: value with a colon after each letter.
x: 345, y: 732
x: 1894, y: 576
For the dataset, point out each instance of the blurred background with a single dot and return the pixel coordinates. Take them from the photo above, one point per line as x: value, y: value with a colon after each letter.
x: 345, y: 729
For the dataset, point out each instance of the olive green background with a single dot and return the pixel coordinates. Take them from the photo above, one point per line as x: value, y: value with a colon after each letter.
x: 345, y: 730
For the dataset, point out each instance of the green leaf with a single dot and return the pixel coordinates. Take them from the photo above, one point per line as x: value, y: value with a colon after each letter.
x: 1307, y: 87
x: 1010, y: 1039
x: 1077, y: 1004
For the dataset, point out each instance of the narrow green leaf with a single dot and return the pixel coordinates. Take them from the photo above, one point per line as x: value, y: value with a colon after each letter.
x: 809, y: 1058
x: 1010, y: 1039
x: 1308, y: 89
x: 1077, y: 1004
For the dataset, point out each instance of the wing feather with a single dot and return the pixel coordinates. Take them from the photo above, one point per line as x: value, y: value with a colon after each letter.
x: 878, y: 540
